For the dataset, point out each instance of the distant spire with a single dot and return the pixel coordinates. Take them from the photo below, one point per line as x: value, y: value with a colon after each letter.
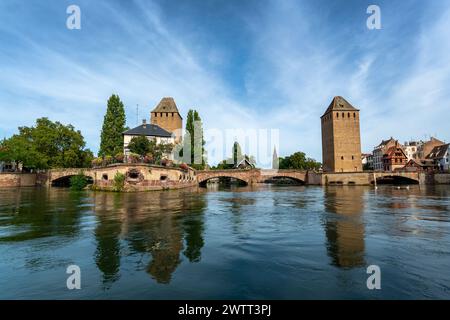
x: 275, y: 160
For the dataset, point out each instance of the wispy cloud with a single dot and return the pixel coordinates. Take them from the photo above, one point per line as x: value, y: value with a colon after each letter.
x: 285, y: 62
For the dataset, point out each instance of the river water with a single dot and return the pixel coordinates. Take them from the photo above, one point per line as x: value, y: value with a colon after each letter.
x: 265, y: 242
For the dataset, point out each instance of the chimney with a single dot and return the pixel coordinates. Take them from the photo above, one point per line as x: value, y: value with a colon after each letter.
x: 144, y: 123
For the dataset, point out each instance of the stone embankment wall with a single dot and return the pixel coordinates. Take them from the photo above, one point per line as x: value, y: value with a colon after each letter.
x: 141, y: 177
x: 442, y: 178
x: 17, y: 180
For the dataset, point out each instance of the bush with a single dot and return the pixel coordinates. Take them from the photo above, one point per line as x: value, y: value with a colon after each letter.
x: 184, y: 166
x: 107, y: 160
x: 119, y: 181
x: 134, y: 158
x: 119, y: 157
x: 166, y: 162
x: 149, y: 158
x: 78, y: 182
x: 97, y: 162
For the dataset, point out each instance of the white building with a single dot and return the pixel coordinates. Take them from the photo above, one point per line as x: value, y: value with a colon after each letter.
x: 411, y: 149
x: 379, y: 151
x: 153, y: 133
x: 441, y: 157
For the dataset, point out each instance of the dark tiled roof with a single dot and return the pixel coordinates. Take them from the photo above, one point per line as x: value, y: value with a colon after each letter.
x: 385, y: 142
x: 340, y: 104
x: 167, y: 104
x: 438, y: 152
x: 148, y: 130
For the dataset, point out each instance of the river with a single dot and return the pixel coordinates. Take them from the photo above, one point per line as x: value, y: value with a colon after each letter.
x: 264, y: 242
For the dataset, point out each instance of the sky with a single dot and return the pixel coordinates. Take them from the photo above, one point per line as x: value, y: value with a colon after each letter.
x: 253, y: 65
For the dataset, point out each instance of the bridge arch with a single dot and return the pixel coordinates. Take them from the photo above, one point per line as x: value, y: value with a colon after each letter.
x: 64, y: 181
x: 281, y: 177
x: 202, y: 182
x: 396, y: 179
x: 61, y: 178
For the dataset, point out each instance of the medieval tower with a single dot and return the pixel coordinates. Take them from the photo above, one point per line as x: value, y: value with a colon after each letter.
x: 167, y: 116
x: 341, y: 142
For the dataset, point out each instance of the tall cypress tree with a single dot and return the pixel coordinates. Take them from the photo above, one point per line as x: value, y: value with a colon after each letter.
x: 113, y: 127
x: 194, y: 130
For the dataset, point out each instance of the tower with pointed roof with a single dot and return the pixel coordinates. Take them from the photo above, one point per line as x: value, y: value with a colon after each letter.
x: 341, y: 140
x: 167, y: 116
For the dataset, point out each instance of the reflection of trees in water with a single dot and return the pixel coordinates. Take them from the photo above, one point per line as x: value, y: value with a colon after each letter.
x: 344, y: 227
x: 152, y: 223
x: 107, y: 233
x: 40, y: 213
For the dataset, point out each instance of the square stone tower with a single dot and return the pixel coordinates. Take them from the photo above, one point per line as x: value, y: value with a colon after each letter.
x: 167, y: 116
x: 341, y: 141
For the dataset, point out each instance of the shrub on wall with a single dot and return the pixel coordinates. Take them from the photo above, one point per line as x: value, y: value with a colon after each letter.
x: 119, y: 181
x: 107, y: 160
x: 78, y: 182
x: 119, y: 157
x: 184, y: 166
x: 97, y: 162
x: 134, y: 158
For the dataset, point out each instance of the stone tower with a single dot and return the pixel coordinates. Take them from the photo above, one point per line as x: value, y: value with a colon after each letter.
x: 341, y: 142
x: 167, y: 116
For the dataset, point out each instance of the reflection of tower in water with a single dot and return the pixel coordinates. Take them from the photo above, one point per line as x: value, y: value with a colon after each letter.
x: 344, y: 226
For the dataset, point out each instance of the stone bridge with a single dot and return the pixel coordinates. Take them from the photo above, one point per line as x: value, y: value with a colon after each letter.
x: 57, y: 174
x: 252, y: 175
x: 249, y: 176
x: 368, y: 178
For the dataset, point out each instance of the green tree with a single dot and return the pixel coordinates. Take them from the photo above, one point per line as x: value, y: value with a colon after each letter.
x: 236, y: 157
x: 47, y: 145
x: 113, y: 127
x: 237, y: 153
x: 298, y: 160
x: 140, y: 145
x: 194, y: 141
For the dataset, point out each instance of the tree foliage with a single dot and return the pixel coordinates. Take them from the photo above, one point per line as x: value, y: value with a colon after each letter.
x: 194, y: 141
x: 298, y: 160
x: 236, y: 157
x: 144, y: 147
x: 113, y: 127
x: 47, y: 145
x: 139, y: 145
x: 78, y: 182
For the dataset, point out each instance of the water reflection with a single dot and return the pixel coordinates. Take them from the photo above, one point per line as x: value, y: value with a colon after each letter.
x: 160, y: 224
x: 344, y: 226
x: 305, y: 242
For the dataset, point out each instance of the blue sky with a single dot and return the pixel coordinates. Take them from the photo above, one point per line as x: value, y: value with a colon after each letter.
x: 242, y: 64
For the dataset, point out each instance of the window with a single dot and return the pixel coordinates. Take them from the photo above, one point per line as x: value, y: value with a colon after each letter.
x: 156, y: 115
x: 342, y: 158
x: 353, y: 158
x: 354, y: 115
x: 337, y: 114
x: 105, y: 176
x: 343, y: 115
x: 163, y: 178
x: 348, y: 115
